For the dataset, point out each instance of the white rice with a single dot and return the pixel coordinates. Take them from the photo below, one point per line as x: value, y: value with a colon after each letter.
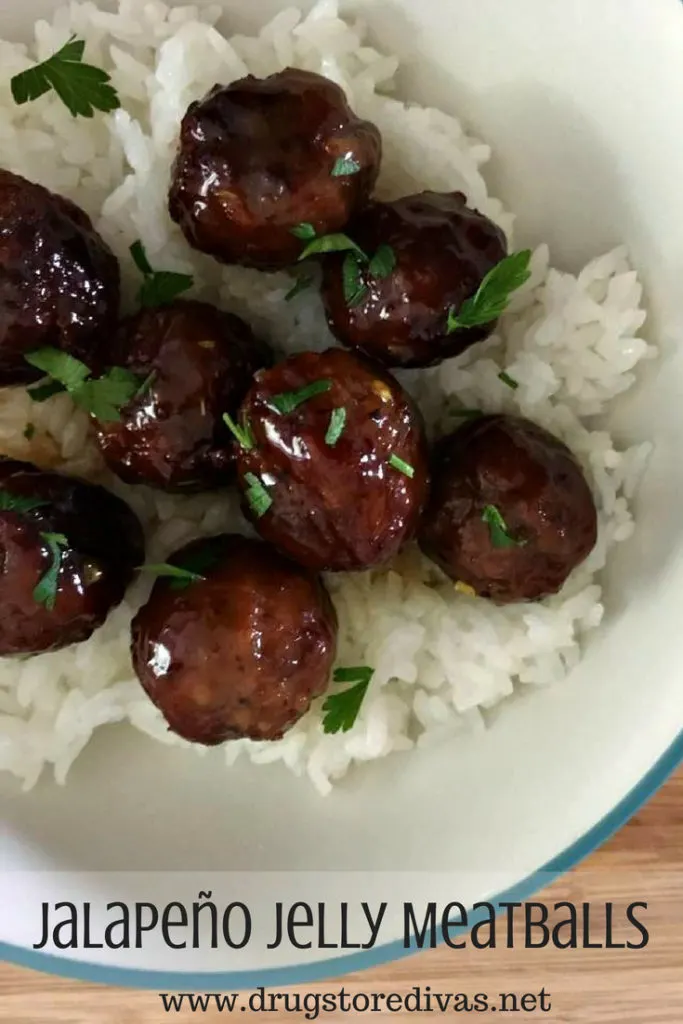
x: 440, y: 659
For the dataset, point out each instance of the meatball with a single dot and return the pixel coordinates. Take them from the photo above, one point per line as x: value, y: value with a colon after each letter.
x: 511, y: 513
x: 59, y: 281
x: 201, y: 361
x: 335, y: 472
x: 261, y: 156
x: 441, y: 252
x: 68, y: 551
x: 242, y: 651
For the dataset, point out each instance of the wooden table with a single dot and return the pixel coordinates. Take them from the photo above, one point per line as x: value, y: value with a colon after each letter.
x: 645, y: 861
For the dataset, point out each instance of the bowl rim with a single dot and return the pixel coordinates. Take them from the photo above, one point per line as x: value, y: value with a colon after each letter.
x: 334, y: 967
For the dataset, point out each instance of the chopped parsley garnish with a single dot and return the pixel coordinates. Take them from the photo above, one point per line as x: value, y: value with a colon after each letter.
x: 103, y: 397
x: 81, y: 87
x: 243, y: 433
x: 45, y: 592
x: 180, y: 577
x: 344, y: 166
x: 336, y: 427
x: 29, y: 431
x: 300, y: 285
x: 257, y: 496
x: 19, y: 503
x: 498, y: 529
x: 468, y: 414
x: 340, y: 710
x: 159, y: 286
x: 355, y: 288
x: 383, y: 262
x: 493, y: 295
x: 330, y: 243
x: 304, y: 231
x: 288, y: 401
x: 507, y: 379
x: 403, y: 467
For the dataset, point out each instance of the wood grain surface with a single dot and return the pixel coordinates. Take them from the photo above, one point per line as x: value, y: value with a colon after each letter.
x: 643, y: 862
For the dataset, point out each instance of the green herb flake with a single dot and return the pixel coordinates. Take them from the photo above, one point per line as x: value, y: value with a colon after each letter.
x: 355, y: 288
x: 30, y: 431
x: 81, y: 87
x: 331, y: 243
x: 45, y: 592
x: 180, y: 577
x: 345, y: 166
x: 304, y: 231
x: 257, y: 496
x: 103, y: 397
x: 403, y: 467
x: 300, y: 285
x: 243, y: 433
x: 340, y: 710
x: 498, y: 529
x: 468, y: 414
x: 493, y: 295
x: 336, y: 427
x: 288, y: 401
x: 159, y: 287
x: 507, y: 379
x: 19, y: 503
x: 383, y: 262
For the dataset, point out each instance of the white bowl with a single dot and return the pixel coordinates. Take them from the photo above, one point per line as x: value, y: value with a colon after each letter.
x: 582, y: 102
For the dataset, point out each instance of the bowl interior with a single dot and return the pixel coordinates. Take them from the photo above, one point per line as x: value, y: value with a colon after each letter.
x: 579, y: 101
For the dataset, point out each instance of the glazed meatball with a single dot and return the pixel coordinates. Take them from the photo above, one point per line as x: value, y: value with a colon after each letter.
x: 202, y: 361
x: 68, y: 551
x: 335, y: 473
x: 240, y: 652
x: 260, y: 157
x: 441, y: 252
x: 511, y: 513
x: 59, y: 281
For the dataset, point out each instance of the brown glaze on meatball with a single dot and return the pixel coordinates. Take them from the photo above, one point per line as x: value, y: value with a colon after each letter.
x: 59, y: 281
x: 256, y: 160
x: 239, y: 653
x: 507, y: 466
x: 173, y: 435
x: 443, y: 250
x: 341, y: 505
x: 104, y: 546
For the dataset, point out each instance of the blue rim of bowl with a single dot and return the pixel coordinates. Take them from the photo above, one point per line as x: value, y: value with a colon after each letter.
x: 334, y: 967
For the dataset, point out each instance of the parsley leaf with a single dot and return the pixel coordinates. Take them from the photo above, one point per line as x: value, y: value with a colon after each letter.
x: 336, y: 427
x: 19, y: 503
x: 493, y: 295
x: 159, y: 286
x: 403, y: 467
x: 81, y: 87
x: 243, y: 434
x: 498, y: 529
x: 45, y: 592
x: 344, y: 166
x: 257, y: 496
x: 103, y: 397
x: 288, y: 401
x: 331, y: 243
x: 180, y: 578
x: 304, y: 231
x: 341, y: 709
x: 507, y: 379
x: 383, y: 262
x: 355, y: 288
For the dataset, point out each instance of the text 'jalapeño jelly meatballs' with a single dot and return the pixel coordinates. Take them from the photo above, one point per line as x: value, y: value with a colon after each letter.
x: 511, y: 513
x: 68, y: 551
x: 333, y: 462
x: 262, y: 161
x: 235, y: 642
x: 59, y: 281
x: 198, y: 362
x: 421, y: 258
